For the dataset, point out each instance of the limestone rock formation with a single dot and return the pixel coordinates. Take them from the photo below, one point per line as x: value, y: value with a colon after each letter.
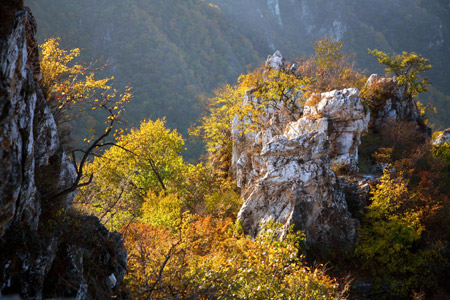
x: 37, y: 230
x: 442, y: 138
x: 392, y: 103
x: 343, y: 117
x: 275, y: 61
x: 286, y: 170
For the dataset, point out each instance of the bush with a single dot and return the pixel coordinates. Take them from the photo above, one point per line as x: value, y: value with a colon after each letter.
x: 203, y: 259
x: 388, y: 236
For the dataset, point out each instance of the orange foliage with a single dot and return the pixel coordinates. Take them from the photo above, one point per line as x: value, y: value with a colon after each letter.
x: 204, y: 259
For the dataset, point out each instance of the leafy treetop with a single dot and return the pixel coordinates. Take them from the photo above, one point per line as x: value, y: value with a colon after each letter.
x: 406, y: 67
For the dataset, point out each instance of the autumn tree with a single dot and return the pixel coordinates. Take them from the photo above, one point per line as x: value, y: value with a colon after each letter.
x: 406, y: 67
x: 405, y: 232
x: 245, y: 106
x: 70, y: 88
x: 144, y: 177
x: 204, y: 259
x: 330, y: 68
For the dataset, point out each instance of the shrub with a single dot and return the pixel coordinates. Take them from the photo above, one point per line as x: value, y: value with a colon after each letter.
x: 203, y: 259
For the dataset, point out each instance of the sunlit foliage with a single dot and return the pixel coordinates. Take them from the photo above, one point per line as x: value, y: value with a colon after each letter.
x: 67, y: 85
x: 143, y: 160
x: 144, y: 177
x: 406, y: 67
x: 329, y: 68
x: 203, y: 259
x: 244, y: 108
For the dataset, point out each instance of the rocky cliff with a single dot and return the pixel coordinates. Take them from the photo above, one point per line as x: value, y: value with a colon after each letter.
x: 47, y: 249
x: 304, y: 172
x: 288, y: 171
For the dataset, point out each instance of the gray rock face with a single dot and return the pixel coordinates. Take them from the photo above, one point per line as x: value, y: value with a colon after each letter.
x: 297, y: 187
x: 343, y: 117
x: 399, y: 105
x: 275, y: 61
x: 33, y: 235
x: 19, y: 98
x: 442, y: 138
x: 395, y: 104
x: 286, y: 170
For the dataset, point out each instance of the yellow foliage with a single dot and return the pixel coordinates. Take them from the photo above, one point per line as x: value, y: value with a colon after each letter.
x: 163, y: 210
x: 264, y: 90
x: 389, y: 233
x: 205, y: 260
x: 245, y: 107
x: 143, y: 160
x: 67, y: 84
x: 143, y: 177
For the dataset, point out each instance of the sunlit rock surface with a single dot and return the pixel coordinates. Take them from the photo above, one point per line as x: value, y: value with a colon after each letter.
x: 286, y: 171
x: 342, y: 116
x: 442, y: 138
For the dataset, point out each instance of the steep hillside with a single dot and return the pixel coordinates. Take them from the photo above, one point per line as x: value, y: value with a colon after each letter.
x: 47, y: 250
x: 175, y: 52
x: 171, y: 52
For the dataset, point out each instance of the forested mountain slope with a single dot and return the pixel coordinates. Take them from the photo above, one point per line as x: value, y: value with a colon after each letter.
x: 173, y: 52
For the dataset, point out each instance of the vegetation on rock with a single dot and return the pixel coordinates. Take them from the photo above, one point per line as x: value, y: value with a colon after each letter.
x: 178, y: 219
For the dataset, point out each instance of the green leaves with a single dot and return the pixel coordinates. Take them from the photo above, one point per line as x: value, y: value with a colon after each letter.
x: 142, y: 163
x: 406, y: 67
x: 389, y: 233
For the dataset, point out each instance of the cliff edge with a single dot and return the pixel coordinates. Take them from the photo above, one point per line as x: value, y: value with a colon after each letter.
x: 47, y: 249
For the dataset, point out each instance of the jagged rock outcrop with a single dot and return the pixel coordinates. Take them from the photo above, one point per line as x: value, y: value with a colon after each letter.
x: 343, y: 117
x: 442, y: 138
x: 275, y: 61
x: 286, y: 169
x: 390, y: 102
x: 38, y: 231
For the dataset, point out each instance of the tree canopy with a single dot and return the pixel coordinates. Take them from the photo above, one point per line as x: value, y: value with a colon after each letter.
x: 406, y: 67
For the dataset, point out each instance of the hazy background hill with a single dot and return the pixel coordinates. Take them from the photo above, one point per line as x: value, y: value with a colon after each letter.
x: 175, y: 52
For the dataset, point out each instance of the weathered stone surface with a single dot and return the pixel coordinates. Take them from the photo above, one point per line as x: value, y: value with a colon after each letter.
x: 18, y: 98
x: 275, y: 61
x: 343, y: 117
x: 297, y: 187
x: 285, y: 170
x: 442, y: 138
x: 38, y: 231
x: 398, y: 105
x: 88, y: 253
x: 357, y: 193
